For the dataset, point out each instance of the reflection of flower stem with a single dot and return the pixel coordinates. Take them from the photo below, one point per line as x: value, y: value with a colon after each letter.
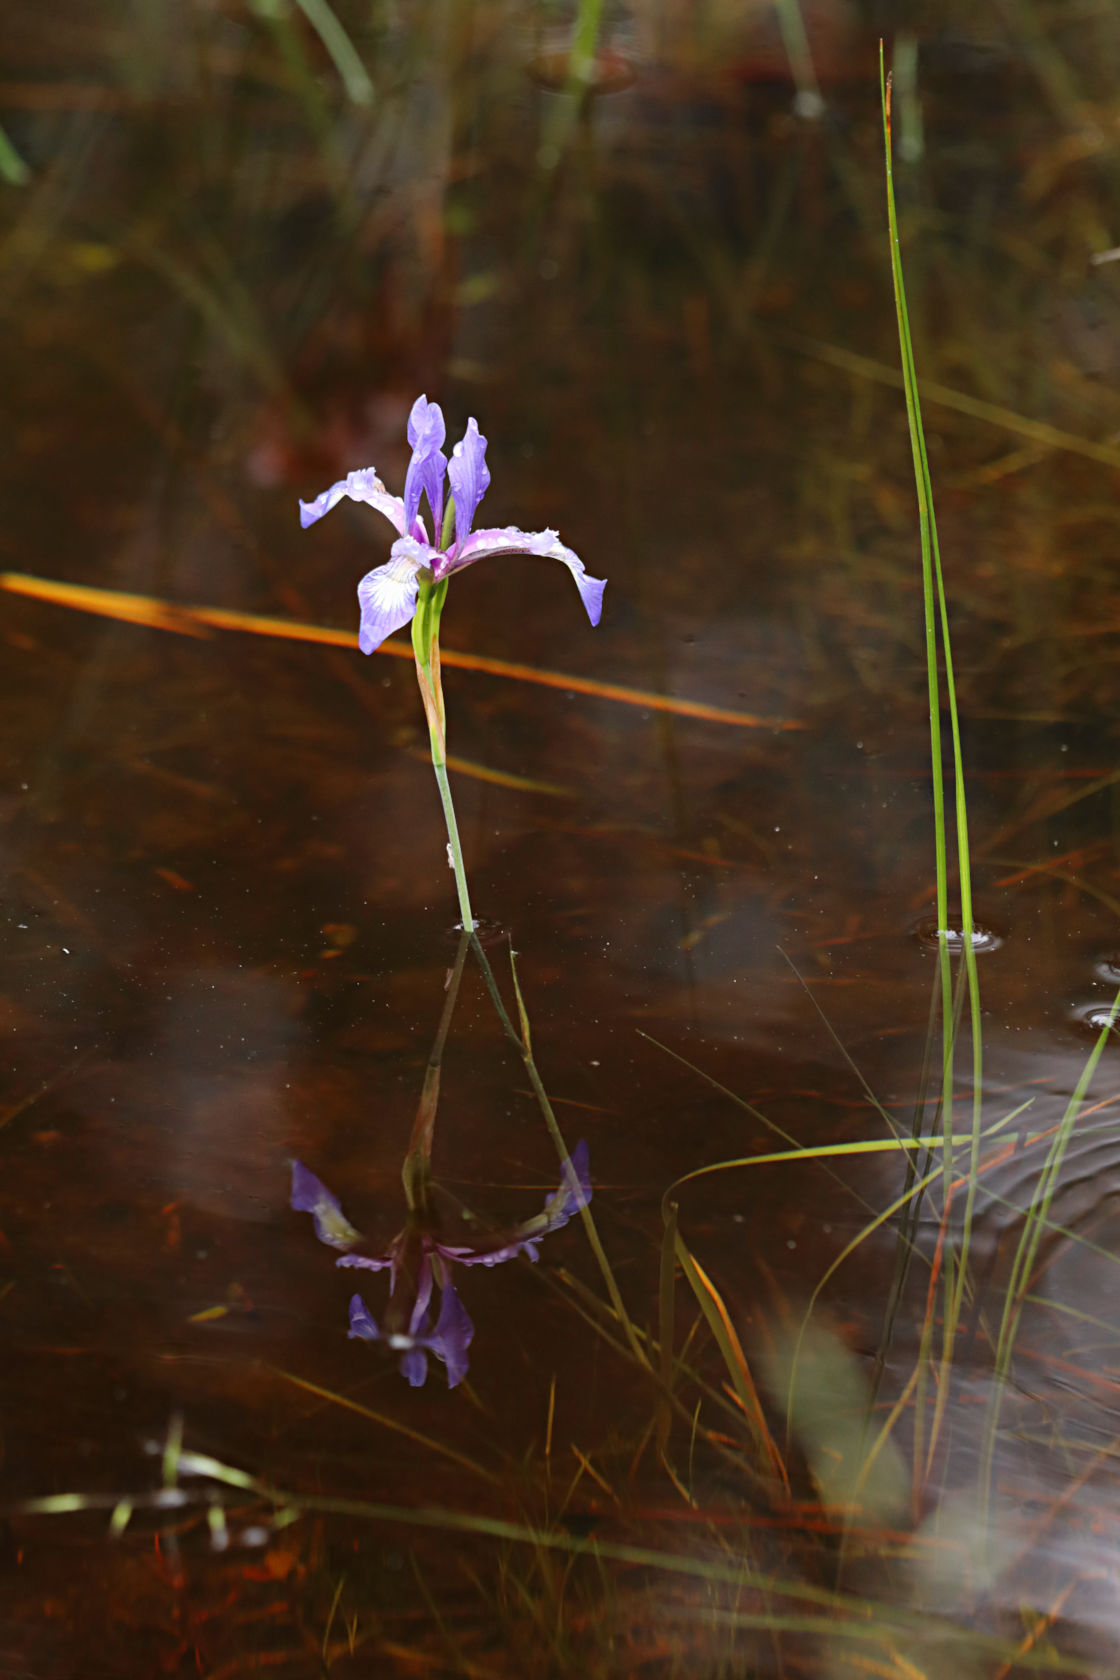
x: 417, y: 1162
x: 525, y: 1051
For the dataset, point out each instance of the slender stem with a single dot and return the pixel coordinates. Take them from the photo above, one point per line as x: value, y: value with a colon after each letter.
x: 440, y: 768
x: 425, y: 647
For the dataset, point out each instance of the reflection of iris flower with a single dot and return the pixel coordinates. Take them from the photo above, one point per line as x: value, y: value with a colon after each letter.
x: 418, y: 1261
x: 388, y: 593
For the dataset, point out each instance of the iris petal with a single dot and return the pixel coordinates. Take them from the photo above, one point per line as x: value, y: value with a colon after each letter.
x: 470, y: 478
x: 426, y: 432
x: 452, y: 1336
x: 362, y: 1324
x: 509, y: 540
x: 388, y: 600
x: 525, y: 1238
x: 414, y: 1366
x: 310, y: 1195
x: 363, y: 1260
x: 361, y: 486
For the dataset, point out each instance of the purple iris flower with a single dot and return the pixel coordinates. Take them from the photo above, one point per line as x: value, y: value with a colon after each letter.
x: 418, y: 1262
x: 388, y: 594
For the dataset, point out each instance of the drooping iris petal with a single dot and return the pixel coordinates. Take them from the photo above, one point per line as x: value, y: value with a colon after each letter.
x: 509, y: 540
x: 470, y: 479
x: 363, y: 1325
x: 310, y: 1195
x: 525, y: 1238
x: 414, y: 1367
x: 452, y: 1336
x: 387, y: 596
x: 371, y: 1265
x: 426, y: 432
x: 361, y: 486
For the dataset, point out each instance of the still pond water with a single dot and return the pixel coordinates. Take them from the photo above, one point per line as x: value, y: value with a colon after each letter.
x: 238, y: 240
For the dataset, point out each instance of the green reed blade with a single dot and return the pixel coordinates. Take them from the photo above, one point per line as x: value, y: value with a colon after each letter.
x: 936, y: 613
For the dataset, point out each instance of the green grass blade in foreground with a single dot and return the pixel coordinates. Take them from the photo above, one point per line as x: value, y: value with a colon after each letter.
x: 937, y: 618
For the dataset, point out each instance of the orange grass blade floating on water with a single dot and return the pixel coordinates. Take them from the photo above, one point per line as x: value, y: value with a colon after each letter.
x: 151, y: 612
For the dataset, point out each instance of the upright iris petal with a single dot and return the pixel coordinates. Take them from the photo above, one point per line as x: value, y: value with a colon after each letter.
x: 470, y: 479
x: 426, y: 432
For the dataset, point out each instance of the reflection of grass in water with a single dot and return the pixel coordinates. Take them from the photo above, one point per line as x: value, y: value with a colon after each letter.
x: 559, y: 1600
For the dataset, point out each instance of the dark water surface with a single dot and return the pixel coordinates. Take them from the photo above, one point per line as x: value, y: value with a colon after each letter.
x: 225, y: 916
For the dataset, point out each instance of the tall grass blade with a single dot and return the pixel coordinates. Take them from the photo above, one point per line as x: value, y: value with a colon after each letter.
x: 936, y: 614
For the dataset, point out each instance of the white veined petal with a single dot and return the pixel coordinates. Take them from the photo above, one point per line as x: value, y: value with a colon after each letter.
x: 387, y: 596
x: 417, y: 553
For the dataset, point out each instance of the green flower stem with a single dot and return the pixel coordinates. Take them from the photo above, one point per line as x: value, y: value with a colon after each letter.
x: 425, y: 646
x: 457, y: 864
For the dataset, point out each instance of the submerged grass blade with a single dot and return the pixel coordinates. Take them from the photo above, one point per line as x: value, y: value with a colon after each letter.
x: 1037, y: 432
x: 774, y: 1601
x: 713, y: 1307
x: 1026, y: 1253
x: 383, y: 1419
